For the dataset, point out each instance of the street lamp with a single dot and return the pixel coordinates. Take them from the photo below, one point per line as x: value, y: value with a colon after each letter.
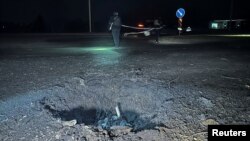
x: 90, y: 30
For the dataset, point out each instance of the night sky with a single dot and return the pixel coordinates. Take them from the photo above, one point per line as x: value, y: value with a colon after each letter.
x: 58, y: 13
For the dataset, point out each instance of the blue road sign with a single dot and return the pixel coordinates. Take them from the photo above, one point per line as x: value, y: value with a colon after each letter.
x: 180, y: 13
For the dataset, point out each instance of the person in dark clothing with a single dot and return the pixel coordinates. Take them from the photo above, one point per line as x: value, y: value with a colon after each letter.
x: 157, y: 25
x: 115, y: 28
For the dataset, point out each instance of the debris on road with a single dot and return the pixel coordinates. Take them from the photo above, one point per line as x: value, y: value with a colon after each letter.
x: 69, y: 123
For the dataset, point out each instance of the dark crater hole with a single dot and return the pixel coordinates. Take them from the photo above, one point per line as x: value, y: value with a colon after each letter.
x: 94, y: 116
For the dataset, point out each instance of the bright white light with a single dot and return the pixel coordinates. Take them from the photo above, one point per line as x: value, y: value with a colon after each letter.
x: 214, y: 26
x: 188, y: 29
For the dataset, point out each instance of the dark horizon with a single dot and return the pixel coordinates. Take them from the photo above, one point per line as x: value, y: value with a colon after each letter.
x: 63, y: 15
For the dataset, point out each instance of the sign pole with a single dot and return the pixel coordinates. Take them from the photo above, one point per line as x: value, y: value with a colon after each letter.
x: 180, y: 25
x: 180, y: 14
x: 90, y: 28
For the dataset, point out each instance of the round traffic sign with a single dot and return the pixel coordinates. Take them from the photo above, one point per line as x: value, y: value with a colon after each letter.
x: 180, y: 13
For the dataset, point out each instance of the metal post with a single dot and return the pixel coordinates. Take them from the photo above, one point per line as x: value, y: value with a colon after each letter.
x: 180, y: 25
x: 90, y: 28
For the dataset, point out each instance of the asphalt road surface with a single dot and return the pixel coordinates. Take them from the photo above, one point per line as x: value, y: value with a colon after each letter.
x: 66, y: 86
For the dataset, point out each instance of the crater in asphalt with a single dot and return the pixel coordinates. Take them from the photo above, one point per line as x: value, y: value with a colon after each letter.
x: 100, y: 118
x: 92, y: 100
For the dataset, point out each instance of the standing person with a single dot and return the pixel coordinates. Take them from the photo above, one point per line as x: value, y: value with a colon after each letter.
x: 115, y: 27
x: 157, y: 25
